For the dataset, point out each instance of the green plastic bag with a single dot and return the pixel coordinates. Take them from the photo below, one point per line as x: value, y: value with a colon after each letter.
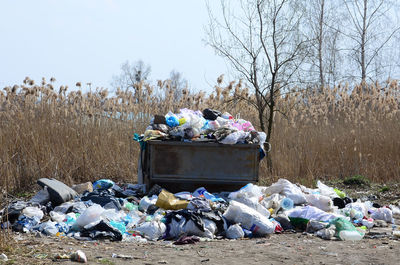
x: 345, y: 230
x: 340, y: 193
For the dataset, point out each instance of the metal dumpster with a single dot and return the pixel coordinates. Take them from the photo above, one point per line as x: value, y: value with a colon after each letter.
x: 179, y: 166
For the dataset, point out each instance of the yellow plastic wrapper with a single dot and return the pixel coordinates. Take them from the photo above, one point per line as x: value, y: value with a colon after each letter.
x: 168, y: 201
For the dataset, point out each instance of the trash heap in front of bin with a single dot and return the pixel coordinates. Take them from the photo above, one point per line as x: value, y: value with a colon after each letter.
x: 105, y: 210
x: 129, y: 212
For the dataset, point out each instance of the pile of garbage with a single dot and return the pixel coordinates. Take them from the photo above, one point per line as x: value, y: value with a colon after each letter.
x: 126, y: 212
x: 206, y: 126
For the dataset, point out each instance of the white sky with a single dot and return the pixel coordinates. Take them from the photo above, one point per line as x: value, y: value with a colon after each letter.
x: 88, y: 40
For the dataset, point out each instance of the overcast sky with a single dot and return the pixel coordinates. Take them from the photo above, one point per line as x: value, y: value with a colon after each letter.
x: 88, y: 40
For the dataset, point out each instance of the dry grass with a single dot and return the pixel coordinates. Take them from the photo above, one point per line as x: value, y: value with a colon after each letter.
x: 75, y: 136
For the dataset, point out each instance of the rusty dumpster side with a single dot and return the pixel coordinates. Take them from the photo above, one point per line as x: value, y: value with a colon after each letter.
x: 181, y: 166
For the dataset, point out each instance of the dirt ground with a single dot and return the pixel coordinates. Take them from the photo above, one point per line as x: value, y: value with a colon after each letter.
x: 292, y: 248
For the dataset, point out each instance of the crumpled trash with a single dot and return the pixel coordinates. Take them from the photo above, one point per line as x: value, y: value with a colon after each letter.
x: 345, y: 230
x: 384, y: 214
x: 320, y: 201
x: 101, y: 230
x: 42, y: 197
x: 78, y: 256
x: 49, y: 228
x: 3, y: 257
x: 327, y: 233
x: 152, y: 230
x: 300, y: 216
x: 314, y: 226
x: 201, y: 204
x: 25, y: 223
x: 81, y: 188
x: 249, y: 218
x: 234, y: 232
x: 168, y: 201
x: 91, y: 215
x: 211, y: 114
x: 103, y: 184
x: 286, y: 188
x: 184, y: 240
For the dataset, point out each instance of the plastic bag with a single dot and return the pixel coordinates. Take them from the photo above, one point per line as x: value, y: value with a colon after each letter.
x: 359, y: 206
x: 234, y: 232
x: 103, y: 184
x: 57, y: 217
x: 287, y: 189
x: 210, y: 228
x: 346, y: 230
x: 33, y: 212
x: 171, y: 119
x: 91, y: 215
x: 326, y: 190
x: 311, y: 213
x: 168, y: 201
x: 145, y: 202
x: 63, y: 208
x: 202, y: 192
x: 383, y: 214
x: 253, y: 203
x: 176, y: 228
x: 49, y: 228
x: 152, y: 230
x: 250, y: 190
x: 42, y: 197
x: 320, y: 201
x: 232, y: 138
x: 327, y: 233
x: 273, y: 201
x: 249, y: 218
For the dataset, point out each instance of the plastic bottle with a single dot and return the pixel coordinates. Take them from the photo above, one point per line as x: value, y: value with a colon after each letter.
x: 350, y: 235
x: 287, y: 204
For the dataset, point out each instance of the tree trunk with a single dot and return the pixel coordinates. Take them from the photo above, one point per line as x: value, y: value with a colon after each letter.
x: 363, y: 37
x: 320, y: 42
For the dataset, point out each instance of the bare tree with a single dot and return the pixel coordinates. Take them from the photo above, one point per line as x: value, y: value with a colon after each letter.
x: 263, y: 42
x: 131, y: 74
x: 178, y: 84
x: 370, y: 32
x: 323, y: 25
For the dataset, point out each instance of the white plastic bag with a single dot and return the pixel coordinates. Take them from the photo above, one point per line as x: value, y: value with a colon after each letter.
x: 231, y: 138
x: 286, y: 188
x: 152, y: 230
x: 384, y: 214
x: 326, y: 190
x: 91, y: 215
x: 249, y: 218
x: 176, y: 229
x: 234, y: 232
x: 57, y: 216
x: 33, y: 212
x: 209, y: 229
x: 112, y: 215
x: 320, y: 201
x: 311, y: 213
x: 250, y: 190
x: 49, y: 228
x: 253, y: 203
x: 359, y: 206
x: 145, y: 202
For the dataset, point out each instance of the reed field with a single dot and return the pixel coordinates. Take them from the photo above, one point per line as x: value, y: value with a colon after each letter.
x: 75, y: 137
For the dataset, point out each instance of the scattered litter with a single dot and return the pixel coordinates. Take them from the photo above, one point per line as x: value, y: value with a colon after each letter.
x: 121, y: 256
x: 3, y: 257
